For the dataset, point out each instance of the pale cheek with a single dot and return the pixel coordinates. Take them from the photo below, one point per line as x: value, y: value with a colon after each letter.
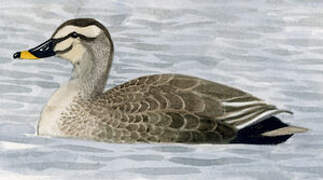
x: 64, y: 44
x: 75, y: 54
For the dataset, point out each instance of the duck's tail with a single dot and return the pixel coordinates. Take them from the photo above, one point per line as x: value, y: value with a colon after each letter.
x: 254, y: 119
x: 268, y: 131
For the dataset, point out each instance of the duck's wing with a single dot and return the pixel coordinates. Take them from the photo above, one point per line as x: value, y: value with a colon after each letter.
x: 178, y: 108
x: 245, y: 111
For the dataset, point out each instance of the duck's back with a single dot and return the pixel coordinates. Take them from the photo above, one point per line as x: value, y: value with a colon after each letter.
x: 166, y: 108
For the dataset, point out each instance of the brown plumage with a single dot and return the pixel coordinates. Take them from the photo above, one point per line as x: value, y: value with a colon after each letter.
x: 156, y: 108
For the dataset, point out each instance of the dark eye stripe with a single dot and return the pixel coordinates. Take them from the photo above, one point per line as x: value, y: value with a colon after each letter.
x: 71, y: 46
x: 73, y: 35
x: 85, y: 38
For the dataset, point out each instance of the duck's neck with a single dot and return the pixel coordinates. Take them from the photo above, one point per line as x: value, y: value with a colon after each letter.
x: 90, y: 73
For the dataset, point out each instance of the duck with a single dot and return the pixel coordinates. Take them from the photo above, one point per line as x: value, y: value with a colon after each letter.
x: 159, y: 108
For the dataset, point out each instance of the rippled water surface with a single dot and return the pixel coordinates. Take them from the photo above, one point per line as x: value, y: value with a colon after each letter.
x: 272, y: 49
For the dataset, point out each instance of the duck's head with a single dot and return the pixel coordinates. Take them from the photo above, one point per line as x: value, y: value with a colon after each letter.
x: 73, y: 40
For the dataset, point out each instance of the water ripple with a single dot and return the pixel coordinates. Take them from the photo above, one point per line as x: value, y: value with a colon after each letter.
x: 162, y: 171
x: 209, y: 162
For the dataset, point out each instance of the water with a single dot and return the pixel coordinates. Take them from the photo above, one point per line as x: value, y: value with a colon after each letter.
x: 272, y: 49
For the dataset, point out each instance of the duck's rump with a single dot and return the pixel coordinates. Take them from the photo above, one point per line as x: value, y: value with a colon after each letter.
x: 176, y: 108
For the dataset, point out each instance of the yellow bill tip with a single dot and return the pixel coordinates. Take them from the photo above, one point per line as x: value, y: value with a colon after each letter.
x: 24, y: 55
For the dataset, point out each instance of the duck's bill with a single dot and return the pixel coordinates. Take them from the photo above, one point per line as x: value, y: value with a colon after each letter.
x: 44, y: 50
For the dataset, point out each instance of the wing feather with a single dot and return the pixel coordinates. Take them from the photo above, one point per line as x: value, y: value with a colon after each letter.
x: 178, y: 108
x: 241, y: 114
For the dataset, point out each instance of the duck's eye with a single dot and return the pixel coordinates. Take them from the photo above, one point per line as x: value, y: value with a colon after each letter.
x: 74, y: 35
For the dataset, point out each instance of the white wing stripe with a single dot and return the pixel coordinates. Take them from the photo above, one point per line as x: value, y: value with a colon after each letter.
x: 261, y: 117
x: 242, y: 118
x: 241, y: 104
x: 245, y: 111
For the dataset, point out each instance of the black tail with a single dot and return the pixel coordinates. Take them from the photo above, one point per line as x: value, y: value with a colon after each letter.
x: 253, y: 134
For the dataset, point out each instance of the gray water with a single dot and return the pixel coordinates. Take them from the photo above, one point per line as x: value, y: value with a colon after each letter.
x: 272, y: 49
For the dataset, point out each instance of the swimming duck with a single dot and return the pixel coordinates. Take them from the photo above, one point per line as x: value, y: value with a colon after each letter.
x: 155, y: 108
